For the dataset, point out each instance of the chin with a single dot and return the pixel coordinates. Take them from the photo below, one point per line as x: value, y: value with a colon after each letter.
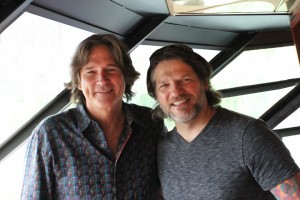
x: 184, y: 117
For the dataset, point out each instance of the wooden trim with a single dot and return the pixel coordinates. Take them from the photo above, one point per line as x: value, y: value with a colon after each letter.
x: 295, y: 26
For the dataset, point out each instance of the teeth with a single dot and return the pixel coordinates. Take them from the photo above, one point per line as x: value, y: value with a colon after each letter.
x: 103, y: 91
x: 178, y: 102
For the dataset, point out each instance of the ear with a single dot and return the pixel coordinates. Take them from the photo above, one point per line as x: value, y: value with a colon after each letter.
x: 79, y: 86
x: 206, y: 85
x: 79, y: 83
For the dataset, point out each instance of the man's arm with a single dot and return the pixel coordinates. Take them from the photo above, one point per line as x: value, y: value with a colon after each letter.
x: 37, y: 183
x: 289, y: 189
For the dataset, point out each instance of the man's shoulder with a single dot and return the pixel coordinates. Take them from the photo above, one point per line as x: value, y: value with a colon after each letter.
x: 231, y: 120
x: 139, y: 112
x: 59, y: 119
x: 143, y: 115
x: 227, y: 115
x: 136, y: 107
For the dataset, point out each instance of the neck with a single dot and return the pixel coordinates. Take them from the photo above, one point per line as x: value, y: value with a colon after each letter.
x: 106, y: 114
x: 112, y: 122
x: 190, y: 130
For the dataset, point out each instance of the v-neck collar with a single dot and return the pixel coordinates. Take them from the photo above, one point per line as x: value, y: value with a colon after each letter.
x: 187, y: 144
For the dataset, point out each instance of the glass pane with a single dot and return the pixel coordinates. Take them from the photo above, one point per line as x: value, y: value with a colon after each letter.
x: 292, y: 143
x: 140, y: 59
x: 254, y: 104
x: 291, y: 121
x: 243, y: 7
x: 35, y: 54
x: 12, y: 169
x: 229, y: 6
x: 207, y: 54
x: 259, y: 66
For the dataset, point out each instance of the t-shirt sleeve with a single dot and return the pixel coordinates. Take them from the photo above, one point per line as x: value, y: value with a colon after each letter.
x: 266, y: 156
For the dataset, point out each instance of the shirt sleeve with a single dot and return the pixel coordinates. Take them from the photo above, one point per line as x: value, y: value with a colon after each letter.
x: 266, y: 156
x: 37, y: 183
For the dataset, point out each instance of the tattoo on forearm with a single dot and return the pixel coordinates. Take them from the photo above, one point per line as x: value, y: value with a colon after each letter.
x: 290, y: 187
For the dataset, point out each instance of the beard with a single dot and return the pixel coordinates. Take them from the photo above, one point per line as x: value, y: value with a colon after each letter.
x: 183, y: 116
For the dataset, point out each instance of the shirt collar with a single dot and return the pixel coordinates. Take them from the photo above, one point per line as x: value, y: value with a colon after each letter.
x: 83, y: 118
x: 132, y: 114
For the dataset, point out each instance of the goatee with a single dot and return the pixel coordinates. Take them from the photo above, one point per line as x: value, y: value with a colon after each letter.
x: 184, y: 116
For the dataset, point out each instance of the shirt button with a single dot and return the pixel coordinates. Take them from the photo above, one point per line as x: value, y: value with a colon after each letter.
x: 102, y: 145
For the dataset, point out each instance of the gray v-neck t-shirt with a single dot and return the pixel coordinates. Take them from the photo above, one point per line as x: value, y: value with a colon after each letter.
x: 235, y: 157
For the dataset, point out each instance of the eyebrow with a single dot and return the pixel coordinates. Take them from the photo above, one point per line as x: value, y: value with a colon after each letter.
x: 87, y: 66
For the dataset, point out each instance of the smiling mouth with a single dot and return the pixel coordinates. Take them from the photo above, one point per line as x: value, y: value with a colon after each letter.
x: 104, y: 91
x: 178, y: 103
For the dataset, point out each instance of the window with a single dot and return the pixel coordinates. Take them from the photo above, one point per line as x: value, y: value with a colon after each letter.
x: 262, y: 66
x: 254, y: 104
x: 259, y: 66
x: 35, y: 54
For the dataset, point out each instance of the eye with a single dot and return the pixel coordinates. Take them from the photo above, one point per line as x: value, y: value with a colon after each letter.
x: 90, y: 73
x: 186, y: 80
x: 112, y: 69
x: 163, y: 85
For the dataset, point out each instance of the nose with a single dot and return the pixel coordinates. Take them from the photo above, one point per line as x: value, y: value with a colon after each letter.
x: 102, y: 78
x: 176, y: 89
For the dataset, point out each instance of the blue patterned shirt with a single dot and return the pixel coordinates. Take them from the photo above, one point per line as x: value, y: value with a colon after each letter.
x: 68, y: 158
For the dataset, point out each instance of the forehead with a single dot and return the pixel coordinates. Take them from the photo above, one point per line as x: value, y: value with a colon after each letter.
x: 172, y: 68
x: 100, y: 51
x: 100, y: 56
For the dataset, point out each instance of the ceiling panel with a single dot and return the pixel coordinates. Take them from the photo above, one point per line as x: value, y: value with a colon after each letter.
x: 185, y: 34
x: 107, y: 15
x: 146, y: 7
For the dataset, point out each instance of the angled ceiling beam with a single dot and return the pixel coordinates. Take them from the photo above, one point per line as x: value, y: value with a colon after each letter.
x: 56, y: 105
x: 288, y: 131
x: 283, y: 108
x: 225, y: 57
x: 249, y: 89
x: 10, y: 10
x: 141, y: 33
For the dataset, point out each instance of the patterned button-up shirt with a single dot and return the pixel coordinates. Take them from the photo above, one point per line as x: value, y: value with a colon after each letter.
x: 68, y: 158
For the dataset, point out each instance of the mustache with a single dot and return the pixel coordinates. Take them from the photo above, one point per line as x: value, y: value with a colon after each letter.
x: 180, y: 97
